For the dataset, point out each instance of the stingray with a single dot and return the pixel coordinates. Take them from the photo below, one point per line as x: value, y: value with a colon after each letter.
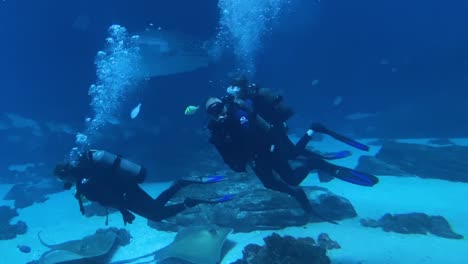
x: 91, y: 246
x: 197, y: 245
x: 165, y: 53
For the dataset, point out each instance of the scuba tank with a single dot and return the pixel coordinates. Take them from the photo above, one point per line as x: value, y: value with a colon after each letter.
x: 269, y: 105
x: 125, y: 168
x: 265, y: 102
x: 273, y: 106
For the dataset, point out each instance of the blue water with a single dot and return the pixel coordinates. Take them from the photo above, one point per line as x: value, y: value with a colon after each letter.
x: 407, y: 62
x: 371, y: 69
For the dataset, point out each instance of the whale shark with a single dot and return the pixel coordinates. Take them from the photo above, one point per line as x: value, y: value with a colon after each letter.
x: 168, y: 52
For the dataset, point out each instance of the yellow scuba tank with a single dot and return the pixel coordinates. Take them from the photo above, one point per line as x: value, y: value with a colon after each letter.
x: 125, y: 168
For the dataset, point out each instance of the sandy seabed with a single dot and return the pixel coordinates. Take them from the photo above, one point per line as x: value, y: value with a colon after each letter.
x: 59, y: 220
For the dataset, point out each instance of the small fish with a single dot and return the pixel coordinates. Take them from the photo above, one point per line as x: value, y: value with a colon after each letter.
x: 24, y: 248
x: 384, y: 61
x: 360, y: 115
x: 191, y: 109
x: 315, y: 82
x: 135, y: 111
x: 337, y: 101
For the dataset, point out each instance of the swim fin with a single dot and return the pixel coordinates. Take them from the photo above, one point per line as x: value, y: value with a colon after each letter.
x: 206, y: 179
x: 356, y: 177
x: 222, y: 199
x: 317, y: 127
x: 214, y: 178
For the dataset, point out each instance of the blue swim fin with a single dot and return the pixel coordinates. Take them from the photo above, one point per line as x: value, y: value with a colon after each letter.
x: 206, y: 179
x: 214, y: 178
x: 356, y: 177
x: 222, y: 199
x: 317, y: 127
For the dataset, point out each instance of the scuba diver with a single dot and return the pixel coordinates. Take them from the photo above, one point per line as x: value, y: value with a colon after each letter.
x: 113, y: 181
x: 271, y: 108
x: 240, y: 142
x: 248, y: 127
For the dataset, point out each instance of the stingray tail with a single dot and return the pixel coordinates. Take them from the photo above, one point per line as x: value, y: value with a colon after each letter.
x: 42, y: 241
x: 314, y: 213
x: 134, y: 259
x: 191, y: 202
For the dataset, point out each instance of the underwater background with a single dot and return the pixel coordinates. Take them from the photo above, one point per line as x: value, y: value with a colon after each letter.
x: 400, y: 64
x: 369, y: 69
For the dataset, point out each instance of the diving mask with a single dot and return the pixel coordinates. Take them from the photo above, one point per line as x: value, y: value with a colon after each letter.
x: 233, y: 90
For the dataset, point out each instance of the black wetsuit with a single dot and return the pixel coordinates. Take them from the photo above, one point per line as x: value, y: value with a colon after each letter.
x: 270, y: 150
x: 107, y: 188
x: 241, y: 141
x: 285, y: 150
x: 263, y: 102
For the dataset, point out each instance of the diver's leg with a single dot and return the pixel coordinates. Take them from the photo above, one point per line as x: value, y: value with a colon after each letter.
x: 159, y: 213
x: 265, y: 174
x: 292, y: 176
x: 301, y: 146
x: 295, y: 171
x: 264, y: 171
x: 127, y: 216
x: 327, y: 171
x: 139, y: 202
x: 285, y: 148
x: 300, y: 173
x: 166, y: 195
x: 136, y: 200
x: 284, y: 170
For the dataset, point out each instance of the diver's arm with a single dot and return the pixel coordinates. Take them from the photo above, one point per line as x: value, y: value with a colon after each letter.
x: 80, y: 200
